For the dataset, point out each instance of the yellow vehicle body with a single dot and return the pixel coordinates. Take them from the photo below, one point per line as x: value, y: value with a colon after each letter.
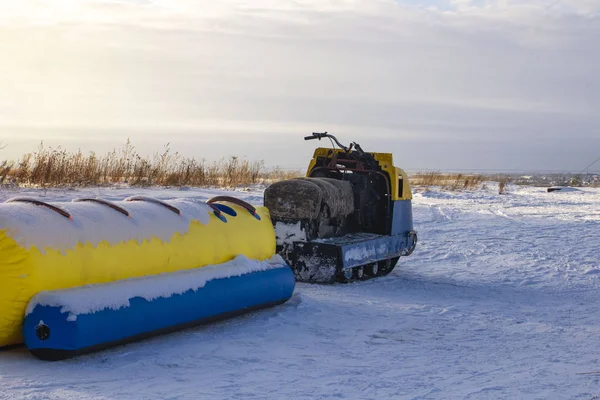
x: 399, y: 185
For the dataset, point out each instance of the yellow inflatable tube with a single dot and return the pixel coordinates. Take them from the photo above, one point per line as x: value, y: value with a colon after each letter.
x: 62, y: 245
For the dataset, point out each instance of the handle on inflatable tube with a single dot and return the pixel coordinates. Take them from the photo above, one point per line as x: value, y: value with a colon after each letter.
x: 41, y: 204
x: 104, y: 203
x: 217, y: 212
x: 251, y: 209
x: 154, y: 201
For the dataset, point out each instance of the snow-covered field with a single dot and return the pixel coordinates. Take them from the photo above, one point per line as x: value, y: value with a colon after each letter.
x: 499, y: 301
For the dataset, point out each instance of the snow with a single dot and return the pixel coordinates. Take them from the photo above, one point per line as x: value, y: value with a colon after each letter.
x: 498, y: 301
x: 288, y: 233
x: 93, y: 298
x: 30, y: 225
x: 359, y: 253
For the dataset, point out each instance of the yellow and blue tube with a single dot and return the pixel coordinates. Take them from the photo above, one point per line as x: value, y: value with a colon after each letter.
x: 49, y: 247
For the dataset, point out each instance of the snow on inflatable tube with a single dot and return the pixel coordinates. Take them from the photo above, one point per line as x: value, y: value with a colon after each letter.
x: 64, y: 323
x: 90, y: 241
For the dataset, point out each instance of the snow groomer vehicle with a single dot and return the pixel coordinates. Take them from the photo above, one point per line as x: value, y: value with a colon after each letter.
x: 349, y: 219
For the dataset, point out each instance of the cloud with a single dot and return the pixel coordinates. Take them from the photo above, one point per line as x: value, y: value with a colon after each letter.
x: 429, y: 73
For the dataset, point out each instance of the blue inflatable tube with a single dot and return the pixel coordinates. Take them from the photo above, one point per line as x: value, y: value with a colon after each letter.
x: 54, y: 331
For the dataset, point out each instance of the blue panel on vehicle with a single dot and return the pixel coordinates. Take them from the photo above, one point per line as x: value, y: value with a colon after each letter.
x: 402, y: 222
x: 374, y: 249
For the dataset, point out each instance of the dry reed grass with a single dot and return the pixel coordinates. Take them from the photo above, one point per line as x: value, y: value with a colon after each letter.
x: 55, y: 167
x: 425, y: 180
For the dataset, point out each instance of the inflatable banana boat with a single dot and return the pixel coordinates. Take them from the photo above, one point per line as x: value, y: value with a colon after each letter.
x: 91, y: 264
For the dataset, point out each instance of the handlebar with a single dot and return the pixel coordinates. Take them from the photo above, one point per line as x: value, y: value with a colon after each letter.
x: 318, y: 135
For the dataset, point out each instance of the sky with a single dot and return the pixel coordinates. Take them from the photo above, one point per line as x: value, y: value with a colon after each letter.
x: 488, y: 85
